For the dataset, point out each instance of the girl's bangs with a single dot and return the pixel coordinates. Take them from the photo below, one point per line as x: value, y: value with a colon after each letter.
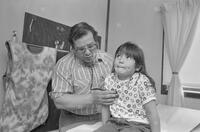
x: 127, y: 51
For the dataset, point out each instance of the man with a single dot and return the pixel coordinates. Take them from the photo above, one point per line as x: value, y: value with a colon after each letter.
x: 79, y: 76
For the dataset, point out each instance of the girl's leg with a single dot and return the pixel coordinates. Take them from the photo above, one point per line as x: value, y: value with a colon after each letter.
x: 131, y: 129
x: 137, y: 127
x: 108, y: 127
x: 69, y: 120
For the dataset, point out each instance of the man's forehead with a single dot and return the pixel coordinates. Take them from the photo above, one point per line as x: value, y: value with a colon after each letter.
x: 85, y: 40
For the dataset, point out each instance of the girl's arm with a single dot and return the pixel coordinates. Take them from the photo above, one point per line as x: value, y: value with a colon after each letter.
x: 105, y: 113
x: 153, y: 116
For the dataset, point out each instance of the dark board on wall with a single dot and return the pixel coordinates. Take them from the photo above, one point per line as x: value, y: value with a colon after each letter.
x: 44, y: 32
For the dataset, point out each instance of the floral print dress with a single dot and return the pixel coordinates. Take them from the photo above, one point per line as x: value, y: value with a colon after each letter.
x: 133, y: 94
x: 26, y: 106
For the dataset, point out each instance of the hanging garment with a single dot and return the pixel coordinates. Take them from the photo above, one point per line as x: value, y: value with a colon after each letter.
x: 26, y: 105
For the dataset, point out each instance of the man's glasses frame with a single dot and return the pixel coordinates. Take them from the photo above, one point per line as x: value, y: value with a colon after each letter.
x: 90, y: 47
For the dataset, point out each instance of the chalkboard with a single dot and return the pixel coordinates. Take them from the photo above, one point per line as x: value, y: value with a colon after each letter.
x: 44, y: 32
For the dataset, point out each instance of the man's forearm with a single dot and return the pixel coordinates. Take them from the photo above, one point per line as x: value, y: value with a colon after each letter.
x: 73, y: 101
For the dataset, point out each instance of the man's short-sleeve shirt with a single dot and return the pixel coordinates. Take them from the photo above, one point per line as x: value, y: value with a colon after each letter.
x: 73, y: 77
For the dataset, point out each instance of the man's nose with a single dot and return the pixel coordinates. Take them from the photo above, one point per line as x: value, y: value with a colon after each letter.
x: 87, y: 51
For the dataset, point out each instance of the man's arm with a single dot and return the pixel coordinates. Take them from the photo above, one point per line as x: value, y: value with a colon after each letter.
x: 72, y: 101
x: 95, y: 97
x: 64, y: 99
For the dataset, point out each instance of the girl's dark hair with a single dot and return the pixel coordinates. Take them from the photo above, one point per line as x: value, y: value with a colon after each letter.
x: 79, y: 30
x: 134, y: 51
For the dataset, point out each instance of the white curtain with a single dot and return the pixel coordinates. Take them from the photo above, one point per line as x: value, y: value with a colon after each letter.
x: 179, y: 20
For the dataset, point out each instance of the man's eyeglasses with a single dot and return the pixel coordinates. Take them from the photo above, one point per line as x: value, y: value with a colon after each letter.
x: 90, y: 47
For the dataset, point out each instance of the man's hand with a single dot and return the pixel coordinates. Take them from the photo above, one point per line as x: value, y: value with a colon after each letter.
x: 104, y: 97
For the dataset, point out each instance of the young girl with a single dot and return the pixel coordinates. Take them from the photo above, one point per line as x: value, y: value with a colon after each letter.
x: 135, y: 109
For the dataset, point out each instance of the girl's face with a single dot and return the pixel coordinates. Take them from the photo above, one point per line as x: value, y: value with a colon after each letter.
x: 124, y: 66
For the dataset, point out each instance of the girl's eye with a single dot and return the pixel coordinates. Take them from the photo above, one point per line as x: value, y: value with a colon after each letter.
x: 127, y: 56
x: 81, y: 49
x: 118, y: 55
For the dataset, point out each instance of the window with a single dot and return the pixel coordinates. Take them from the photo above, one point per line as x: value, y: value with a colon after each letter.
x: 190, y: 71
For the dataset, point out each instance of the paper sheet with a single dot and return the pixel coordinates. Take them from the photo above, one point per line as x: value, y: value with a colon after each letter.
x: 86, y: 128
x: 178, y: 119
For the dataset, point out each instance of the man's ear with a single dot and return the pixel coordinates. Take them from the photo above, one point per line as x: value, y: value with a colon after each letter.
x: 97, y: 44
x: 73, y: 50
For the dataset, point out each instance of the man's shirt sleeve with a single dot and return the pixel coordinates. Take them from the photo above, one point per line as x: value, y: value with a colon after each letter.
x: 61, y: 80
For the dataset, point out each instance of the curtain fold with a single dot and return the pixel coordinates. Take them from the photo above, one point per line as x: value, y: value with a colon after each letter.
x: 179, y: 20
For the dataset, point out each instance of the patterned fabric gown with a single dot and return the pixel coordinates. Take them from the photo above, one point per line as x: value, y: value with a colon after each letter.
x: 26, y: 105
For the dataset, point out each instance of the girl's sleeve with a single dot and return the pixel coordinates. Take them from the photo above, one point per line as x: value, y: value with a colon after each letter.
x: 146, y: 90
